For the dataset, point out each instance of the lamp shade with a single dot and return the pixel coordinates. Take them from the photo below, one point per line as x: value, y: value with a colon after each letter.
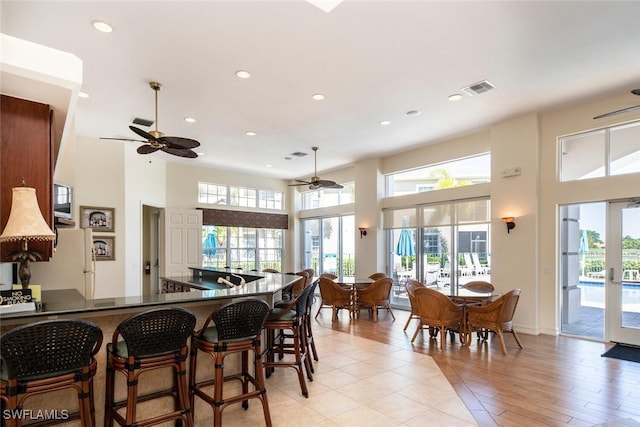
x: 25, y: 219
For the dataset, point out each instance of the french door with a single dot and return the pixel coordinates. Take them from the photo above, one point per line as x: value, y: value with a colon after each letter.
x: 623, y: 273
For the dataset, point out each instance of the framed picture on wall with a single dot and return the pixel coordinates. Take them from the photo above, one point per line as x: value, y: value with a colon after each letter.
x: 98, y: 219
x: 104, y: 248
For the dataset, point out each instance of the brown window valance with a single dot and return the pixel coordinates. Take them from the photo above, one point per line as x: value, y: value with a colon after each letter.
x: 230, y: 218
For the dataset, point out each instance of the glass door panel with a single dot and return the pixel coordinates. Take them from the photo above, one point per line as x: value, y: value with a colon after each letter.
x: 623, y: 273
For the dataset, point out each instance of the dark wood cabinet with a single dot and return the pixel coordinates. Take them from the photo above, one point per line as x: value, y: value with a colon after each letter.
x: 26, y: 154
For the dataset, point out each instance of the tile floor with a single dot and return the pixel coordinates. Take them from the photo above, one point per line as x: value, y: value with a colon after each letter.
x: 357, y: 382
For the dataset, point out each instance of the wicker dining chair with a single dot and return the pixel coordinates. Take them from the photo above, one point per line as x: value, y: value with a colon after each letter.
x: 496, y: 316
x: 376, y: 276
x: 374, y: 297
x: 410, y: 287
x: 270, y: 270
x: 334, y: 297
x: 479, y: 286
x: 329, y: 276
x: 439, y: 314
x: 47, y: 356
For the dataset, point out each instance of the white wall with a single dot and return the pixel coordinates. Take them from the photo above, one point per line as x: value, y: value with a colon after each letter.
x: 100, y: 181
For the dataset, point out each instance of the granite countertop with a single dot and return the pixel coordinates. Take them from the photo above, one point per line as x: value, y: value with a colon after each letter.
x: 204, y: 287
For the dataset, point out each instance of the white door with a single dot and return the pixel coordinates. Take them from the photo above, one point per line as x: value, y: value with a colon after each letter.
x: 623, y: 273
x: 183, y: 241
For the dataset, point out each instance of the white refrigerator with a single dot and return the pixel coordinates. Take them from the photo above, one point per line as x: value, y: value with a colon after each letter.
x: 72, y: 265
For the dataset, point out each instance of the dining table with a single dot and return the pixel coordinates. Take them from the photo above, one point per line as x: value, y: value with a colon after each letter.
x: 355, y: 283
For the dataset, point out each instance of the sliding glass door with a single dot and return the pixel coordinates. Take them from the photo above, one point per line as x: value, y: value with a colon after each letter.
x: 442, y: 246
x: 328, y: 245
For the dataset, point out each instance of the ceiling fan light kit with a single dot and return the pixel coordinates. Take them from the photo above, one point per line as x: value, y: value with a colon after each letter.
x: 155, y: 140
x: 315, y: 183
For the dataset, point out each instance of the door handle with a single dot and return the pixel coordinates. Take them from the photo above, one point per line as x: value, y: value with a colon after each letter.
x: 611, y: 274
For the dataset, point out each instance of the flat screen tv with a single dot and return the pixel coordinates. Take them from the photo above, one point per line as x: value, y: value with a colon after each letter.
x: 62, y: 200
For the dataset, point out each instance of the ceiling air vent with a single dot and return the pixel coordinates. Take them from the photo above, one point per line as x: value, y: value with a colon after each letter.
x: 142, y: 122
x: 478, y: 88
x: 298, y: 154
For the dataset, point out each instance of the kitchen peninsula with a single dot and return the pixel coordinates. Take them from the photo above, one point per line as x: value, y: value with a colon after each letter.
x: 198, y: 289
x: 201, y: 295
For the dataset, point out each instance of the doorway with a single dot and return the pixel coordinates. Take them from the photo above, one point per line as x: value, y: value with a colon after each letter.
x: 600, y: 271
x: 150, y: 250
x: 623, y: 273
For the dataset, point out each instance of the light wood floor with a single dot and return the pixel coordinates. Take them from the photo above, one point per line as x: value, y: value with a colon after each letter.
x: 553, y: 381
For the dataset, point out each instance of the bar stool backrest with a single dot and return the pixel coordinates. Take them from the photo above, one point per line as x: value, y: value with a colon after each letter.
x: 158, y: 331
x: 242, y: 319
x: 49, y: 347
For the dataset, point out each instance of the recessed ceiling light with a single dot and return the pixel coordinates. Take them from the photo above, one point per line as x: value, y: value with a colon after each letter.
x: 412, y: 113
x: 385, y: 122
x: 83, y: 95
x: 317, y: 96
x: 250, y: 133
x: 243, y: 74
x: 268, y: 166
x: 455, y: 97
x: 189, y: 120
x: 200, y: 154
x: 102, y: 26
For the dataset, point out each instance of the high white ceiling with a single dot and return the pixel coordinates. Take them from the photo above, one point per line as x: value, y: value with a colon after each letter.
x: 373, y: 60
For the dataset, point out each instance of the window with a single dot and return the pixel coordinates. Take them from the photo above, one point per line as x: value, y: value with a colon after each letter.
x: 329, y: 197
x: 270, y: 199
x: 242, y: 247
x: 240, y: 196
x: 456, y: 173
x: 442, y: 245
x: 214, y: 194
x: 600, y: 153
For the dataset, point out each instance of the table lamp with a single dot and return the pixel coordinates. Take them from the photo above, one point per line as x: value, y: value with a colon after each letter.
x: 25, y: 223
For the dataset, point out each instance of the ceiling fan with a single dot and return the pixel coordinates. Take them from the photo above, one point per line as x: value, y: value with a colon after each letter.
x: 155, y: 140
x: 316, y: 183
x: 624, y: 110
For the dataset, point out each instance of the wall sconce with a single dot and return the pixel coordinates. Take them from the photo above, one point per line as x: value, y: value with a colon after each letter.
x: 363, y: 231
x: 510, y: 224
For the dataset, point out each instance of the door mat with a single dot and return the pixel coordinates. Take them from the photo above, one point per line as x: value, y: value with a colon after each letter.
x: 623, y: 352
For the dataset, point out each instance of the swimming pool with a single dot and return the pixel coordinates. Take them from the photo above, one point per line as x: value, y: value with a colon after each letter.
x: 592, y: 295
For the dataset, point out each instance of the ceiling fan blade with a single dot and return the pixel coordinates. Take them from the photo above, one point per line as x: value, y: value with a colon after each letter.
x: 336, y: 186
x: 123, y: 139
x: 179, y: 142
x: 143, y: 134
x: 301, y: 183
x: 181, y: 152
x: 613, y: 113
x: 147, y: 149
x: 326, y: 183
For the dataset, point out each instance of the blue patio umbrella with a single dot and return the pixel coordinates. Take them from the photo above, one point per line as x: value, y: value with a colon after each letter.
x: 210, y: 244
x: 405, y: 244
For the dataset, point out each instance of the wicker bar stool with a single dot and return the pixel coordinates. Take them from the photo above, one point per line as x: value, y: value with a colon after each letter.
x: 150, y: 340
x: 237, y: 328
x: 48, y: 356
x: 286, y: 335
